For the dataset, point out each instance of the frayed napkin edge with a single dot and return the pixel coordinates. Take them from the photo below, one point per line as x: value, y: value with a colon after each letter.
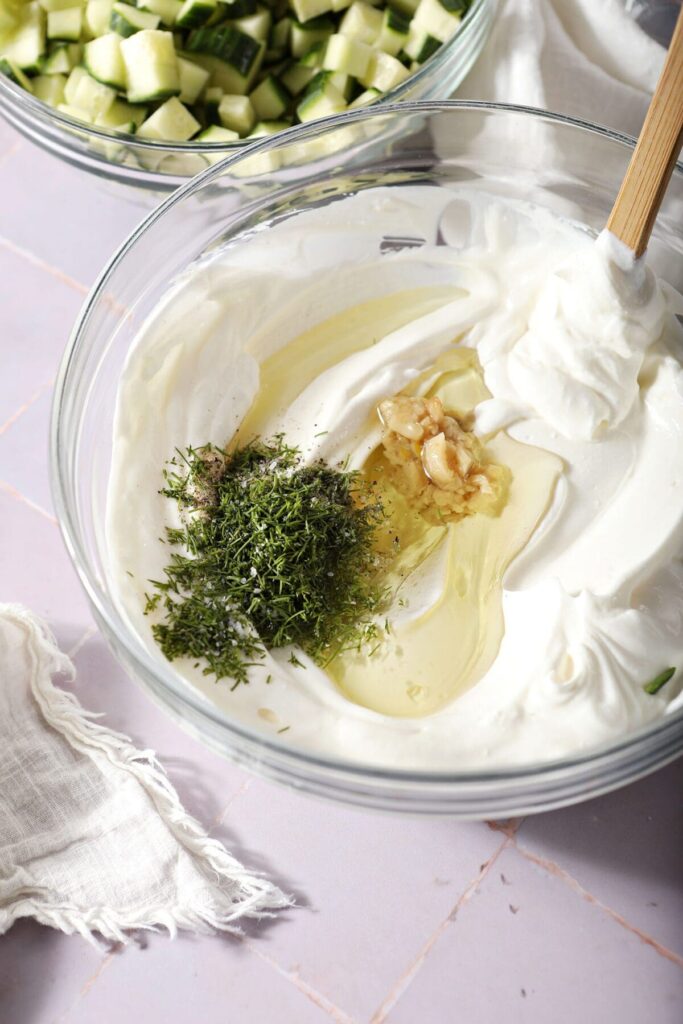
x: 256, y: 897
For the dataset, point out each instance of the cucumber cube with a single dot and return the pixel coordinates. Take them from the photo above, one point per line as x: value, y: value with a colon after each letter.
x: 394, y: 32
x: 362, y: 22
x: 65, y: 25
x: 270, y: 99
x: 193, y: 80
x: 365, y: 99
x: 15, y: 74
x: 86, y: 94
x: 321, y: 99
x: 296, y: 78
x: 103, y: 60
x: 25, y: 44
x: 347, y: 55
x: 151, y: 66
x: 58, y: 5
x: 97, y: 16
x: 194, y: 13
x: 237, y: 114
x: 384, y: 72
x: 308, y: 35
x: 128, y: 20
x: 49, y: 89
x: 307, y: 9
x: 167, y: 10
x: 435, y: 18
x: 171, y: 122
x: 212, y: 98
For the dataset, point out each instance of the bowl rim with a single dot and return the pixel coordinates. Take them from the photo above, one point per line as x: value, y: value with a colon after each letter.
x: 639, y: 742
x: 68, y: 125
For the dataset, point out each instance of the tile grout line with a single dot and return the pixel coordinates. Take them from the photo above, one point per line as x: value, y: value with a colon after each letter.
x: 556, y: 871
x: 25, y: 407
x: 317, y: 998
x: 12, y: 492
x: 408, y: 976
x: 35, y: 261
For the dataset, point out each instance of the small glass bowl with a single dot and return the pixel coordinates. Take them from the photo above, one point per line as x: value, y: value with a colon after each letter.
x: 567, y: 166
x: 162, y: 167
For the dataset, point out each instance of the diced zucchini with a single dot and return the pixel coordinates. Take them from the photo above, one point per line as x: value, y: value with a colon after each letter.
x: 420, y: 45
x: 234, y: 58
x: 25, y: 44
x: 256, y: 25
x: 314, y: 57
x: 121, y: 114
x: 361, y: 22
x: 212, y: 98
x: 10, y: 15
x: 347, y: 55
x: 296, y: 78
x: 83, y: 92
x: 58, y: 62
x: 98, y: 16
x: 344, y: 83
x: 265, y: 128
x: 151, y: 66
x: 384, y: 72
x: 171, y: 122
x: 65, y: 25
x: 340, y: 5
x: 194, y: 13
x: 15, y: 74
x: 239, y: 8
x: 192, y: 80
x: 437, y: 18
x: 128, y: 20
x: 321, y: 98
x: 71, y: 111
x: 58, y: 5
x: 49, y: 89
x: 307, y: 35
x: 103, y: 60
x: 307, y: 9
x: 215, y: 133
x: 405, y: 7
x: 167, y: 10
x: 278, y: 40
x: 394, y: 32
x: 237, y: 114
x: 270, y: 99
x: 365, y: 99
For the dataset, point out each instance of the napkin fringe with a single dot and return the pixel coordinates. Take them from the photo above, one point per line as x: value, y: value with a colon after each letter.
x: 256, y: 897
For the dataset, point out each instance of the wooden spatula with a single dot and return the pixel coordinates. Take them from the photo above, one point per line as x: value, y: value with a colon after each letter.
x: 642, y: 190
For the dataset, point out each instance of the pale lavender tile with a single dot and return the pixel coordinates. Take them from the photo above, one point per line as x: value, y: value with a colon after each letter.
x: 625, y: 849
x: 64, y: 215
x: 526, y: 949
x: 24, y: 451
x: 372, y: 888
x: 208, y: 979
x: 35, y: 570
x: 42, y: 973
x: 37, y: 312
x: 205, y: 781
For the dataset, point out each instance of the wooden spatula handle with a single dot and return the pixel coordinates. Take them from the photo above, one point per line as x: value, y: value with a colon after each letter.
x: 642, y: 190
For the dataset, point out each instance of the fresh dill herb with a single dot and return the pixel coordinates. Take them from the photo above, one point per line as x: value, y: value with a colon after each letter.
x: 293, y: 660
x: 270, y: 553
x: 655, y: 685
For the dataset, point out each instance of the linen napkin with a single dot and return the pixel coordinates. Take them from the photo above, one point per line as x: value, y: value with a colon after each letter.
x: 93, y: 837
x: 585, y: 58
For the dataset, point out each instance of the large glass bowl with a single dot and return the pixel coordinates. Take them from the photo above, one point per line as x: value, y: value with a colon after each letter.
x: 567, y: 166
x: 162, y: 167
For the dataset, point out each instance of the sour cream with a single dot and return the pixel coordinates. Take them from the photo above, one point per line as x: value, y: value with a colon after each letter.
x: 581, y: 359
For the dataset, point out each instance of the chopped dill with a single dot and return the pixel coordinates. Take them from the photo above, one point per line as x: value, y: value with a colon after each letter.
x: 655, y: 685
x: 271, y: 552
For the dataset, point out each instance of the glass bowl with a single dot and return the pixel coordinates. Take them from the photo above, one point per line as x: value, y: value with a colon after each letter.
x: 162, y: 167
x: 560, y: 163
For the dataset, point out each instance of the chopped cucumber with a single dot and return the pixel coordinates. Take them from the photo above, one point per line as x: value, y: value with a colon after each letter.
x: 365, y: 99
x: 151, y: 66
x: 49, y: 89
x: 103, y: 60
x: 25, y: 44
x: 441, y: 20
x: 171, y: 122
x: 241, y: 66
x: 361, y: 22
x: 98, y: 16
x: 237, y: 114
x: 305, y: 36
x: 65, y: 25
x: 194, y: 13
x: 264, y: 128
x: 128, y: 20
x: 347, y: 55
x: 167, y: 10
x: 192, y: 80
x: 321, y: 98
x: 217, y: 134
x: 212, y: 98
x: 16, y: 75
x: 256, y: 25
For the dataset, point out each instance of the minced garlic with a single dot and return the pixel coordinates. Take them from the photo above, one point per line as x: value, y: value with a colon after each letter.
x: 439, y: 465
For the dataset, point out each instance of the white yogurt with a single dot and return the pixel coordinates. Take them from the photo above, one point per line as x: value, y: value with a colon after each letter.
x: 581, y: 354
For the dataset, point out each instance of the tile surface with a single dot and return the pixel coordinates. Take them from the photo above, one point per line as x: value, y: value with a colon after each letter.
x: 575, y: 917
